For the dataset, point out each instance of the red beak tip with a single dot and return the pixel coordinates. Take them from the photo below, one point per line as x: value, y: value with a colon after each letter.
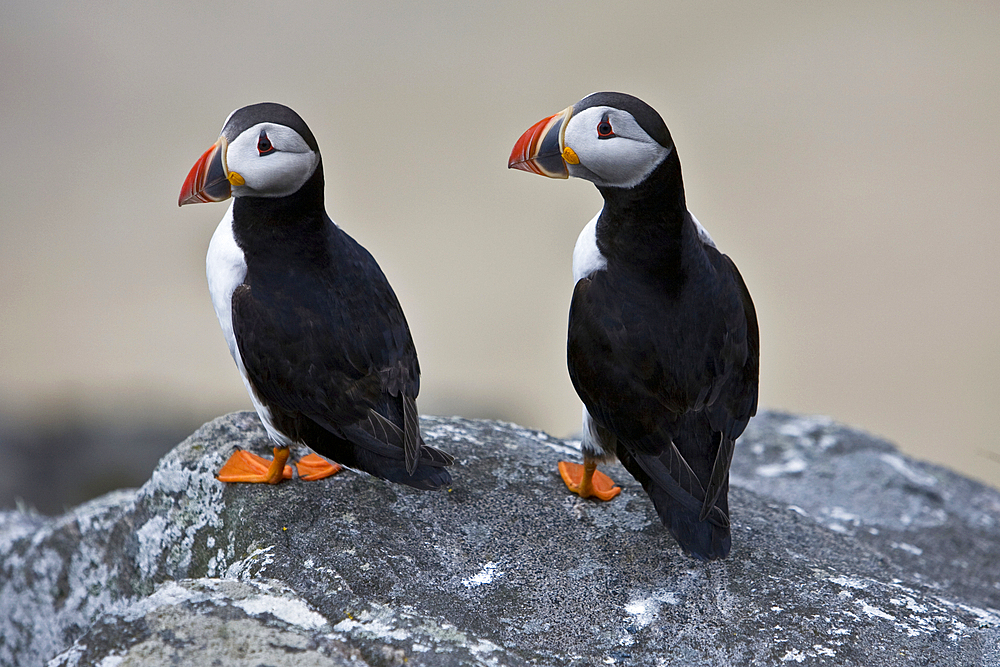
x: 520, y: 165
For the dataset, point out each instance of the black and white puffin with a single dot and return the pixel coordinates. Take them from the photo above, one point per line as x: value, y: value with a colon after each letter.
x: 311, y: 321
x: 663, y: 342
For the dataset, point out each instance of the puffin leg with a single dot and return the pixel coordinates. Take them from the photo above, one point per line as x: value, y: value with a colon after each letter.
x: 587, y: 481
x: 243, y: 466
x: 313, y: 466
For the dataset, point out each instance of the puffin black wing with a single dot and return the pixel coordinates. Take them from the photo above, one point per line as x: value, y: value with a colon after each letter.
x: 670, y: 377
x: 328, y: 352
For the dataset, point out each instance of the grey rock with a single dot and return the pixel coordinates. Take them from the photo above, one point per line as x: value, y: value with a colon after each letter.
x: 844, y: 551
x: 213, y: 622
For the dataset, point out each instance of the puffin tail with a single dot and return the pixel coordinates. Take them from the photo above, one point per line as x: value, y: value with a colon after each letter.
x: 705, y: 540
x: 357, y: 446
x: 426, y: 477
x: 388, y: 461
x: 680, y: 511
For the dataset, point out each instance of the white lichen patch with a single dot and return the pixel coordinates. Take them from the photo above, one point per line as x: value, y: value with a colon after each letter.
x: 644, y: 610
x: 153, y: 536
x: 290, y: 610
x: 908, y: 548
x: 486, y: 574
x: 188, y: 501
x: 912, y: 613
x: 984, y: 617
x: 842, y: 521
x: 915, y: 476
x: 840, y: 514
x: 798, y: 510
x: 815, y: 651
x: 255, y: 563
x: 169, y: 594
x: 379, y: 623
x: 258, y: 599
x: 481, y: 646
x: 447, y: 431
x: 873, y: 611
x: 45, y: 589
x: 567, y: 448
x: 851, y: 582
x: 385, y: 624
x: 793, y: 655
x: 804, y: 427
x: 910, y: 604
x: 93, y: 515
x: 827, y: 440
x: 791, y: 465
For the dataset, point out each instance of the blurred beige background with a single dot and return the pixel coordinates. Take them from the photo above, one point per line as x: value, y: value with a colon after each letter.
x: 846, y: 156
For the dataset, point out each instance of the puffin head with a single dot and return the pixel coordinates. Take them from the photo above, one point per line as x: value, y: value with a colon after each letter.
x: 266, y: 150
x: 610, y: 139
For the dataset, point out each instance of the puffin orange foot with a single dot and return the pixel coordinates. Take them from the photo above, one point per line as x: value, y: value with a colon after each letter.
x: 587, y: 481
x: 243, y: 466
x: 313, y: 466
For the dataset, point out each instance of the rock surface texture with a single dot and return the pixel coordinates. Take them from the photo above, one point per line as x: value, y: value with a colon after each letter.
x: 844, y: 552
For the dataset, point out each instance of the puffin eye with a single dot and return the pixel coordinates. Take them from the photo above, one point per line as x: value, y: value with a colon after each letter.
x: 264, y: 144
x: 604, y: 130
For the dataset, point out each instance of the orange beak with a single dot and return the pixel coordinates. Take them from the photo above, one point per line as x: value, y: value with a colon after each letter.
x: 540, y: 148
x: 208, y: 179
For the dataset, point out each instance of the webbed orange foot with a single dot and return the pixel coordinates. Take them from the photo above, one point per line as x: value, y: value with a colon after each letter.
x: 313, y: 467
x: 587, y: 481
x: 243, y: 466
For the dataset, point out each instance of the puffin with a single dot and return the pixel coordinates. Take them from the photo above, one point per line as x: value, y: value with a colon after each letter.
x: 663, y: 344
x: 313, y: 325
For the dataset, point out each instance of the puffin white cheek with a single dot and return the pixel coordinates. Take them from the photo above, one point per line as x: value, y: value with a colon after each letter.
x: 278, y: 174
x: 626, y: 163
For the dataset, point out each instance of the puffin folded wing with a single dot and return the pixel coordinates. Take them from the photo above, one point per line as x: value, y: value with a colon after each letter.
x: 377, y: 447
x: 680, y: 509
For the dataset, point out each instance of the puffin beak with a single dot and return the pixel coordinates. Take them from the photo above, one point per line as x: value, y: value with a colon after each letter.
x: 541, y: 150
x: 209, y: 179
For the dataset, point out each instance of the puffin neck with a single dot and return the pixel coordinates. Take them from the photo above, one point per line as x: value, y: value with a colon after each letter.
x: 643, y: 224
x: 661, y: 192
x: 269, y: 224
